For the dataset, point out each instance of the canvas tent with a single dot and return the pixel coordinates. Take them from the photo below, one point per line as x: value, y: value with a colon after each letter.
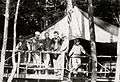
x: 103, y: 30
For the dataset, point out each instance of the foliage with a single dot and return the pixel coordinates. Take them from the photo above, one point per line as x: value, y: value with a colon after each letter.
x: 39, y: 14
x: 35, y: 14
x: 106, y: 10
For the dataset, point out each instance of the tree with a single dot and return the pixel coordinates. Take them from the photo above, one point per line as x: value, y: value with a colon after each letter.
x: 4, y: 40
x: 92, y: 43
x: 14, y: 45
x: 117, y: 74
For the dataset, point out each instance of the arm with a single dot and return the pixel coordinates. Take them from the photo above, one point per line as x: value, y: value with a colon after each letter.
x: 28, y: 45
x: 64, y: 46
x: 72, y: 51
x: 83, y: 50
x: 17, y: 47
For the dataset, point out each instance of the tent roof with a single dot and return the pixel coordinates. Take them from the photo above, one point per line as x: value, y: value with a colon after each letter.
x: 75, y: 30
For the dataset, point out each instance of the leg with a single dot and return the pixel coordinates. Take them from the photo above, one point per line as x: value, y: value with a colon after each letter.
x: 46, y: 60
x: 51, y: 60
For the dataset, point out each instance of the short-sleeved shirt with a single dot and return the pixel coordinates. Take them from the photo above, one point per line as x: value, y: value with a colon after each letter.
x: 77, y: 50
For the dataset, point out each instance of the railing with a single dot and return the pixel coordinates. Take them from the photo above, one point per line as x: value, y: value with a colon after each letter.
x: 42, y: 72
x: 40, y: 69
x: 106, y: 71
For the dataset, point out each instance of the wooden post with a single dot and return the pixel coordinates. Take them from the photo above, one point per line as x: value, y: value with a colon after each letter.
x: 14, y: 45
x: 92, y: 39
x: 18, y: 64
x: 4, y: 40
x: 62, y: 64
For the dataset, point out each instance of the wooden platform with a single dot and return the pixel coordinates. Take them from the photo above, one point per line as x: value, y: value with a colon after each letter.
x: 36, y: 76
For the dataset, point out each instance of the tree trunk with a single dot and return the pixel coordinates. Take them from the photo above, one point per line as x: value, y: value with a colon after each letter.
x: 69, y: 12
x: 14, y: 46
x: 4, y: 40
x: 117, y: 74
x: 93, y: 45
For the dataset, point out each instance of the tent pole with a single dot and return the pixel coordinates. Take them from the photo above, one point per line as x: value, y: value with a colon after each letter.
x: 92, y: 41
x: 4, y: 40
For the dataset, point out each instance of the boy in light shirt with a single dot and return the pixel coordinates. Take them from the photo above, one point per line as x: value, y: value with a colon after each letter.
x: 75, y: 53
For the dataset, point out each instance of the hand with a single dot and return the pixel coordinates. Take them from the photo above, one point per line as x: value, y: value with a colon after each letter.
x: 84, y: 52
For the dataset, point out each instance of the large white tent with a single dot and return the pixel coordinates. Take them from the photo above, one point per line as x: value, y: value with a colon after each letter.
x: 79, y: 27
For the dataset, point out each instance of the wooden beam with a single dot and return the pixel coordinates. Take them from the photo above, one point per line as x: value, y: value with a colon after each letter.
x: 93, y: 45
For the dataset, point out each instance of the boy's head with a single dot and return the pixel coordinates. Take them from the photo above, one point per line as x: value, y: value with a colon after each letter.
x: 37, y: 34
x: 76, y: 41
x: 46, y: 35
x: 56, y: 34
x: 21, y: 38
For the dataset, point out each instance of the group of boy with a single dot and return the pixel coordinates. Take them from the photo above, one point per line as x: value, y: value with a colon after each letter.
x: 56, y: 44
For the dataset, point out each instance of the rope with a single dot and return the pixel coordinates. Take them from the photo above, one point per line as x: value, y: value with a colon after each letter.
x: 91, y: 72
x: 98, y: 62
